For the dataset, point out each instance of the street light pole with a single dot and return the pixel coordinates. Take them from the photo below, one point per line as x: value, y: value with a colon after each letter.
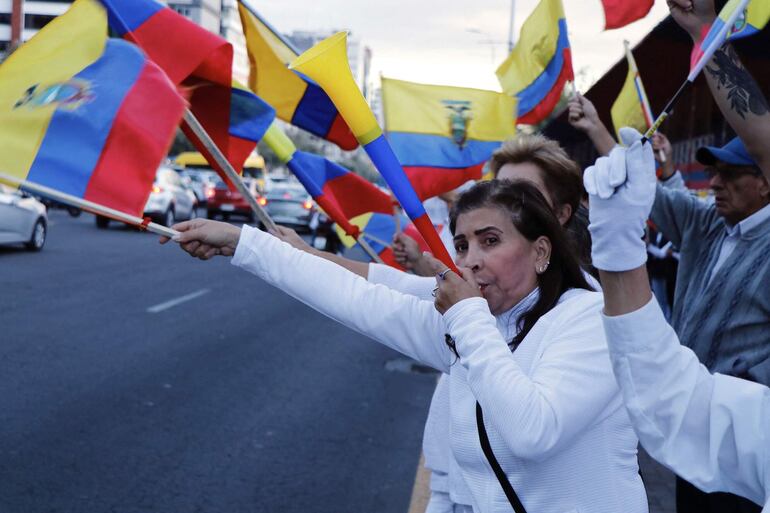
x: 510, y: 26
x: 17, y: 23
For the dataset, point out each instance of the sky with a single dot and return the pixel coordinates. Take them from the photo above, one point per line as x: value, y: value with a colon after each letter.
x: 455, y: 42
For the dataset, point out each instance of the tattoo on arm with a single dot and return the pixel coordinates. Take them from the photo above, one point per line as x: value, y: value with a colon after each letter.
x: 742, y: 91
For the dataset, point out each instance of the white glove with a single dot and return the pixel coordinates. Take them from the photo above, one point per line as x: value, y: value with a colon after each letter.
x: 622, y: 190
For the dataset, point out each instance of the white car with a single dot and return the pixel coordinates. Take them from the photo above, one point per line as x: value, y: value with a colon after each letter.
x: 23, y: 219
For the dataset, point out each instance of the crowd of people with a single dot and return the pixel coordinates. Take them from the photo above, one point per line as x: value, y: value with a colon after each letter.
x: 556, y: 358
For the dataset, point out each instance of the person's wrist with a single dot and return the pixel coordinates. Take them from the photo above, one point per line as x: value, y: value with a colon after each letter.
x: 698, y: 33
x: 233, y: 237
x: 667, y: 170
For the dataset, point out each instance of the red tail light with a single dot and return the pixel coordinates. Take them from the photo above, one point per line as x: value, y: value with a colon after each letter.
x: 209, y: 192
x: 308, y: 205
x: 262, y: 201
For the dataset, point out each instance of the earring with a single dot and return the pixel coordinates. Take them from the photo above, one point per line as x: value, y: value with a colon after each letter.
x: 543, y: 268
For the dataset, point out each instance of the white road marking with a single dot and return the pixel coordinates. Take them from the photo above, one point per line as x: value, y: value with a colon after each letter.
x: 178, y: 301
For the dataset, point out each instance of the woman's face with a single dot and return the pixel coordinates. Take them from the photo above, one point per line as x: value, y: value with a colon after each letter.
x: 503, y: 261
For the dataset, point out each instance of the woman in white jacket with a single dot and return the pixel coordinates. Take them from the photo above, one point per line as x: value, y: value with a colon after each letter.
x: 551, y: 408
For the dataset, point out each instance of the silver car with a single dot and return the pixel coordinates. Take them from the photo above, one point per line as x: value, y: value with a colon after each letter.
x: 170, y: 200
x: 23, y: 219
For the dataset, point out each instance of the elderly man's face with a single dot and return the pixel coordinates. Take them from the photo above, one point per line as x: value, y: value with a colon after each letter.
x: 739, y: 191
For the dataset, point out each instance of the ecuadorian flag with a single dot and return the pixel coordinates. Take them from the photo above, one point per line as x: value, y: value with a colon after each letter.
x: 541, y: 63
x: 443, y: 135
x: 632, y: 108
x: 297, y: 99
x: 750, y: 17
x: 378, y: 230
x: 202, y: 62
x: 341, y: 194
x: 86, y: 115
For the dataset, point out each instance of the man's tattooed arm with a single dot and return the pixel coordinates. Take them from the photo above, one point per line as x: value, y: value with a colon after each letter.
x: 743, y: 93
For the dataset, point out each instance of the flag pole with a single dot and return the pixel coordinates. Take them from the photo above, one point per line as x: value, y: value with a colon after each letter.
x: 368, y: 249
x: 89, y: 206
x: 224, y: 164
x: 510, y: 26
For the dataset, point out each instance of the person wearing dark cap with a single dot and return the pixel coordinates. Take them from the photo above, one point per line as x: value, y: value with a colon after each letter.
x: 722, y: 302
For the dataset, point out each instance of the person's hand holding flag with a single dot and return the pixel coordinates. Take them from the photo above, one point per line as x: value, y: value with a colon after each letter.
x: 694, y: 16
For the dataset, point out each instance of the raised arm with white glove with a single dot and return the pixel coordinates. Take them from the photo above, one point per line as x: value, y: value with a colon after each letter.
x: 622, y: 190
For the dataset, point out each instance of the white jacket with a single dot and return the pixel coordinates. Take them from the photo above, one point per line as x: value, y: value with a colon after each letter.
x: 712, y: 430
x: 553, y: 411
x: 436, y: 448
x: 446, y: 476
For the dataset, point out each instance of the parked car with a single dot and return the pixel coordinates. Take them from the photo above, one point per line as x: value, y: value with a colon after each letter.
x: 289, y: 205
x: 170, y: 200
x: 199, y: 180
x: 23, y: 219
x: 224, y: 202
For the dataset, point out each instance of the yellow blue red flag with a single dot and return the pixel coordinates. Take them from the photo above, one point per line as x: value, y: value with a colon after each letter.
x: 201, y: 62
x: 744, y: 17
x: 443, y: 135
x: 296, y: 99
x: 541, y: 63
x: 632, y: 108
x: 378, y: 230
x: 86, y: 115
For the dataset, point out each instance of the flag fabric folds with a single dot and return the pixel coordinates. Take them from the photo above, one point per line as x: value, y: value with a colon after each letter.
x: 378, y: 230
x: 443, y: 135
x: 201, y: 62
x: 86, y: 115
x: 297, y: 99
x: 541, y: 63
x: 353, y: 194
x: 619, y: 13
x: 632, y: 108
x: 340, y: 193
x: 736, y: 20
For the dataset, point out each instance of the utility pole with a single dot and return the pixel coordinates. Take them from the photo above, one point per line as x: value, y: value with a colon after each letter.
x: 510, y: 26
x: 17, y: 24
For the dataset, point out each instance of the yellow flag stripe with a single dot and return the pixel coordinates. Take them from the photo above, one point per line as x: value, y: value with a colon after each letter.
x: 59, y: 51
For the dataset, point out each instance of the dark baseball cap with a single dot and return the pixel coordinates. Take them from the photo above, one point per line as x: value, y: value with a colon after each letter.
x: 733, y: 153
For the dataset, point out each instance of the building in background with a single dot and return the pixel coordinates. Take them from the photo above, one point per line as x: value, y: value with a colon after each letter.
x: 206, y: 13
x: 305, y: 39
x: 20, y: 20
x: 231, y: 29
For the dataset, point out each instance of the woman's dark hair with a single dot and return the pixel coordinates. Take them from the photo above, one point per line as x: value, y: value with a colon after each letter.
x: 533, y: 218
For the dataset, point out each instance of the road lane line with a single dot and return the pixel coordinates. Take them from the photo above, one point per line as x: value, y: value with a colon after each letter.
x: 178, y: 301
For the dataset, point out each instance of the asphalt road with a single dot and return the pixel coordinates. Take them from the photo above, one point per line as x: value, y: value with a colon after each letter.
x: 239, y: 399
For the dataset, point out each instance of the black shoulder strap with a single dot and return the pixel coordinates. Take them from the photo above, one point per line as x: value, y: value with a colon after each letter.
x: 516, y: 504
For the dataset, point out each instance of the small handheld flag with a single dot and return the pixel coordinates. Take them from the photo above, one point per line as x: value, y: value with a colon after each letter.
x: 632, y: 108
x: 737, y: 19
